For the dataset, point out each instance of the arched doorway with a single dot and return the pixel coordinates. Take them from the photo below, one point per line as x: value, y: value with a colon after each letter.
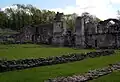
x: 109, y: 33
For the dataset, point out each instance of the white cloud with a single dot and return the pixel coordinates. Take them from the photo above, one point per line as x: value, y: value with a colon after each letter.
x: 101, y: 8
x: 13, y: 7
x: 115, y: 1
x: 66, y: 10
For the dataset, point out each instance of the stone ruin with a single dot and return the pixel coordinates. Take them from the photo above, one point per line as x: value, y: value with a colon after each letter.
x: 45, y: 33
x: 86, y: 35
x: 103, y: 35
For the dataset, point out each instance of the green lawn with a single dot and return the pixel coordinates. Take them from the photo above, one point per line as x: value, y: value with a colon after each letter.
x: 114, y: 77
x: 33, y: 51
x: 40, y: 74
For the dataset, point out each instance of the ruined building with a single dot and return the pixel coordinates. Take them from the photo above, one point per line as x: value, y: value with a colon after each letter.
x: 86, y: 34
x: 103, y: 35
x: 46, y: 33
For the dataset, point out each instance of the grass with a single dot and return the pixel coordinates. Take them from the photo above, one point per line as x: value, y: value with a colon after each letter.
x: 33, y: 51
x: 40, y: 74
x: 114, y: 77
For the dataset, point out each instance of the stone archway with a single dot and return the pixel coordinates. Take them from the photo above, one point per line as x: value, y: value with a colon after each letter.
x: 109, y: 33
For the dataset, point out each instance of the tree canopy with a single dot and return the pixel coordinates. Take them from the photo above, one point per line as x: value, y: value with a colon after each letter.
x: 20, y: 15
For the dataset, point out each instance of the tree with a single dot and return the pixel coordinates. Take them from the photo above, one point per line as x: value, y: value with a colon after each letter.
x: 3, y: 19
x: 90, y: 18
x: 27, y: 14
x: 70, y: 20
x: 20, y: 15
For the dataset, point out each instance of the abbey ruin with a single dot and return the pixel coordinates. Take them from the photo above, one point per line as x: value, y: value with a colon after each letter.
x: 85, y: 35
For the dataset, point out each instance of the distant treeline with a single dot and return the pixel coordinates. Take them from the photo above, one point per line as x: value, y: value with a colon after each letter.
x: 20, y: 15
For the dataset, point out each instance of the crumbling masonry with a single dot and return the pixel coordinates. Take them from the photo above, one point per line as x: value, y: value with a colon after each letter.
x: 104, y: 34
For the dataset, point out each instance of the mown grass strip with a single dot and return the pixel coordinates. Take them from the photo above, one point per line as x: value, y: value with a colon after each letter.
x: 40, y: 74
x: 30, y: 63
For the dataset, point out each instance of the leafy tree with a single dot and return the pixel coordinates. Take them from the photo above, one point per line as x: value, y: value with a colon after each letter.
x: 3, y: 19
x: 20, y: 15
x: 70, y: 20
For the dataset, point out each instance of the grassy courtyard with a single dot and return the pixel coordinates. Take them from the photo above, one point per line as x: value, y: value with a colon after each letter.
x: 33, y: 51
x: 39, y: 74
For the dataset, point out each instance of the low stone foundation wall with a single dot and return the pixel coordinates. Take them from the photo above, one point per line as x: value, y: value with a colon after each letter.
x: 6, y: 65
x: 93, y: 74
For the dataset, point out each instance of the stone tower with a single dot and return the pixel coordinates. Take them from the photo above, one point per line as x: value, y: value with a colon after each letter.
x: 58, y: 29
x: 79, y: 31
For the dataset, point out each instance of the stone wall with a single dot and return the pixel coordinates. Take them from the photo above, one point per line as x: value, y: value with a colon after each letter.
x: 79, y: 31
x: 106, y: 40
x: 26, y: 34
x: 45, y: 32
x: 92, y: 36
x: 87, y: 34
x: 59, y: 30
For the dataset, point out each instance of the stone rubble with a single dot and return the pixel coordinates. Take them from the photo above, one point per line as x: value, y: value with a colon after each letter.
x: 90, y: 75
x: 10, y: 65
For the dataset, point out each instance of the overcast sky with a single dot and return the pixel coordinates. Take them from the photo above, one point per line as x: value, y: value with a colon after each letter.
x: 101, y: 8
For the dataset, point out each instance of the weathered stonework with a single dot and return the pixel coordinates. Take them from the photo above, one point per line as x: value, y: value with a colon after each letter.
x: 86, y: 35
x: 59, y: 28
x: 103, y: 35
x: 79, y: 31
